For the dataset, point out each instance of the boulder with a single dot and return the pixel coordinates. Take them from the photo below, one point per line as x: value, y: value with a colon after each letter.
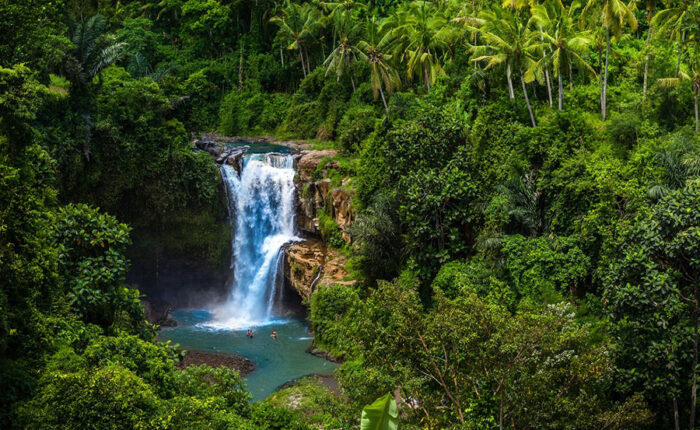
x: 309, y: 160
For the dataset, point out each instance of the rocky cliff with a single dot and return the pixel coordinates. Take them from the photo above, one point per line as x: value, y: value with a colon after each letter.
x: 308, y: 265
x: 316, y: 192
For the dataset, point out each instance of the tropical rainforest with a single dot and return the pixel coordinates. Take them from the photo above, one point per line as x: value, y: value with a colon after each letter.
x: 526, y: 216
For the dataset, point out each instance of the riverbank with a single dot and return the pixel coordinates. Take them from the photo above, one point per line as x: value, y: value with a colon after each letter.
x: 276, y: 361
x: 235, y: 362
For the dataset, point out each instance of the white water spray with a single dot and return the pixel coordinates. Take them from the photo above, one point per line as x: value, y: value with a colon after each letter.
x: 261, y: 207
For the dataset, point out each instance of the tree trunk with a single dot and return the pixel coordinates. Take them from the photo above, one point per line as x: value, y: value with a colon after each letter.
x: 426, y: 77
x: 282, y: 57
x: 546, y: 72
x: 527, y: 100
x: 386, y: 107
x: 352, y: 82
x: 301, y: 58
x: 511, y: 94
x: 561, y: 91
x: 240, y: 67
x: 571, y: 78
x: 308, y: 63
x: 676, y: 420
x: 604, y: 92
x: 680, y: 51
x: 646, y: 66
x: 500, y: 412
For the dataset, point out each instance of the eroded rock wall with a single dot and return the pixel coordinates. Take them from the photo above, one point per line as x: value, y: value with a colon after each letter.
x: 308, y: 265
x: 315, y: 192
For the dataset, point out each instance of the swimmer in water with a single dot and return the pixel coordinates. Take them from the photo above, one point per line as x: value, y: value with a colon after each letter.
x: 274, y: 334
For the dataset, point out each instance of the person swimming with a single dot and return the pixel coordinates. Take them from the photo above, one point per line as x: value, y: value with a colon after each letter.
x: 274, y: 334
x: 249, y: 333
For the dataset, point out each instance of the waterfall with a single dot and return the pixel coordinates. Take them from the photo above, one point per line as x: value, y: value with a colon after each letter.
x: 261, y: 209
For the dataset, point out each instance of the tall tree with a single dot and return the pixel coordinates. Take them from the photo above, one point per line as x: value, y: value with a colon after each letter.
x: 692, y: 75
x: 93, y: 51
x: 297, y: 25
x: 650, y: 8
x: 564, y: 41
x: 374, y: 49
x: 348, y: 30
x: 509, y: 41
x: 653, y: 295
x: 425, y: 36
x: 614, y: 15
x: 675, y: 21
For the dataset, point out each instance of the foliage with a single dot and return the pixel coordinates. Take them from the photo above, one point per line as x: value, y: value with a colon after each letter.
x: 650, y: 294
x: 357, y: 123
x: 315, y: 404
x: 484, y: 362
x: 519, y: 264
x: 381, y: 415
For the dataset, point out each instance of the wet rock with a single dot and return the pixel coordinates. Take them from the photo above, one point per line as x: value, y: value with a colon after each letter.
x: 214, y: 359
x: 158, y: 314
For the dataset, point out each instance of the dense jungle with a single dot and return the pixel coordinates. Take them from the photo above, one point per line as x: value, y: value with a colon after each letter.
x: 503, y: 201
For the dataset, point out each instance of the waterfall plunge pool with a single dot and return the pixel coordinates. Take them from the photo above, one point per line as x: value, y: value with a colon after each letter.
x: 261, y: 208
x: 276, y: 361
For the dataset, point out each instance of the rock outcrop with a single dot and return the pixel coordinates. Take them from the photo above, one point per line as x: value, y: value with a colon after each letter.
x: 308, y: 265
x: 316, y: 192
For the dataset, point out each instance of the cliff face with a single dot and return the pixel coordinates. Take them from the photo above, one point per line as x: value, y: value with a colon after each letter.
x: 315, y: 192
x: 308, y: 265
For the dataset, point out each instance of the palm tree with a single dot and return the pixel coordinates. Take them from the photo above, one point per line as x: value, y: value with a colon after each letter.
x: 650, y: 6
x: 297, y: 25
x: 346, y: 51
x: 424, y: 34
x: 527, y: 205
x: 93, y: 51
x: 674, y: 21
x: 565, y: 41
x: 510, y: 42
x: 679, y: 163
x: 614, y: 16
x: 374, y: 49
x: 693, y: 75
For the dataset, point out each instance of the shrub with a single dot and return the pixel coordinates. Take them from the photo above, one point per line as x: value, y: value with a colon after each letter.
x: 355, y: 126
x: 111, y: 398
x: 330, y: 232
x: 329, y: 305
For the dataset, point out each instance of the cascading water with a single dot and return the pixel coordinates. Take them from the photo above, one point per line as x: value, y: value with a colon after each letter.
x: 261, y: 210
x: 261, y: 207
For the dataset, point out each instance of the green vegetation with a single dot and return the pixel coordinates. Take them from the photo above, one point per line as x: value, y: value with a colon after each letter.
x: 525, y: 230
